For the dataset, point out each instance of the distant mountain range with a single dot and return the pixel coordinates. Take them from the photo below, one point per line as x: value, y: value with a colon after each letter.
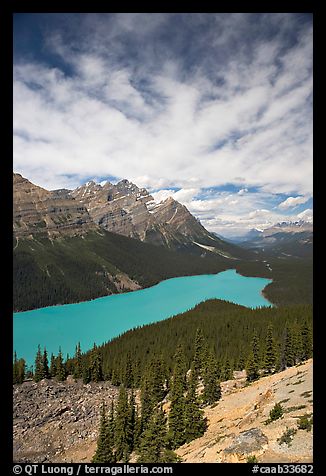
x: 285, y: 239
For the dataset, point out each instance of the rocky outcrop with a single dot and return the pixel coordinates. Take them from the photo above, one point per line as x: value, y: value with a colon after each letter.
x: 37, y: 211
x: 237, y: 426
x: 52, y: 419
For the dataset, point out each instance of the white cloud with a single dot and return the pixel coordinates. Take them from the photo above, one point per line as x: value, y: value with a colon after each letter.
x: 161, y: 127
x: 292, y: 202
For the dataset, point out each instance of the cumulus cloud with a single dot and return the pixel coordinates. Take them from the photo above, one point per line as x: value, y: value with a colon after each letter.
x: 171, y: 102
x: 292, y: 202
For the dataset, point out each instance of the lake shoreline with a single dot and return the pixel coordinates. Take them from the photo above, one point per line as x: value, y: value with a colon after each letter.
x: 144, y: 288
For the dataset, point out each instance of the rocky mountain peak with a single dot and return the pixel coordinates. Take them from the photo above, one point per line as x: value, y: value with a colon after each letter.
x: 40, y: 211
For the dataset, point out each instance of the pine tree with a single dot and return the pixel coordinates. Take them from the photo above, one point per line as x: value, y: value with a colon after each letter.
x: 241, y: 362
x: 289, y: 351
x: 122, y: 427
x: 199, y: 352
x: 18, y: 370
x: 96, y: 365
x: 147, y: 401
x: 194, y: 420
x: 104, y: 452
x: 212, y: 388
x: 15, y: 369
x: 53, y: 366
x: 270, y: 355
x: 306, y: 341
x: 45, y: 362
x: 176, y: 433
x: 128, y: 376
x: 227, y: 370
x: 297, y: 345
x: 39, y: 369
x: 60, y: 368
x: 153, y: 441
x: 132, y: 418
x: 78, y: 367
x: 253, y: 362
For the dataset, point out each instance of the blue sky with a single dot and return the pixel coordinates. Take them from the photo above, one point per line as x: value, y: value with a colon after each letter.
x: 213, y: 109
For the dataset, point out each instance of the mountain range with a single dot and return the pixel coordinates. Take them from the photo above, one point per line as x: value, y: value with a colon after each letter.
x: 102, y: 239
x: 283, y: 239
x: 93, y: 241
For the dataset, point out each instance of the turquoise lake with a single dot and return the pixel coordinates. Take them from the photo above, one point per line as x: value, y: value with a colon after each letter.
x: 102, y: 319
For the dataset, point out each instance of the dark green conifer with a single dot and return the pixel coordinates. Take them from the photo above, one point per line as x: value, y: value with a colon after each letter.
x: 212, y: 388
x: 39, y: 369
x: 194, y: 420
x: 176, y: 434
x: 78, y: 364
x: 270, y: 354
x: 60, y: 367
x: 199, y: 352
x: 153, y: 441
x: 96, y: 365
x: 306, y: 341
x: 253, y: 362
x: 104, y: 450
x: 53, y: 366
x: 19, y: 367
x: 122, y: 427
x: 45, y: 362
x: 289, y: 351
x: 128, y: 376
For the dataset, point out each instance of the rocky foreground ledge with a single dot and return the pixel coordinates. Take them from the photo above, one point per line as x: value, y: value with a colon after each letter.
x: 58, y: 421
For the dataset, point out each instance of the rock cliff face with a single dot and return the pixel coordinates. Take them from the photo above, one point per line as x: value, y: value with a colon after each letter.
x: 128, y: 210
x: 38, y: 211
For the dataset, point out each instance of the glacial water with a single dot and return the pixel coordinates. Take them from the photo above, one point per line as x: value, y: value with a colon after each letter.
x: 102, y: 319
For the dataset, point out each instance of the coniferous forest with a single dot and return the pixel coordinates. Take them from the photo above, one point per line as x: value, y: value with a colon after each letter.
x: 178, y: 364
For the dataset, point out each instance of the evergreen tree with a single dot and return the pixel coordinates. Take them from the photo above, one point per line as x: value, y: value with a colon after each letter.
x: 104, y: 452
x: 86, y: 373
x: 18, y: 370
x: 289, y: 351
x: 45, y: 363
x: 153, y: 441
x: 306, y: 341
x: 122, y: 427
x: 176, y: 433
x: 132, y: 422
x: 297, y: 345
x: 212, y: 388
x: 60, y: 368
x: 270, y: 355
x: 241, y: 362
x: 78, y: 367
x: 39, y: 369
x: 227, y: 370
x: 96, y: 365
x: 194, y: 420
x: 147, y: 401
x: 253, y: 362
x: 199, y: 352
x: 15, y: 369
x: 53, y: 366
x: 128, y: 376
